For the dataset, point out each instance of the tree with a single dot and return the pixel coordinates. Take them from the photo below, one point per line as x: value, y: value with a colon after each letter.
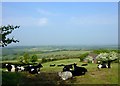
x: 107, y: 57
x: 34, y: 58
x: 26, y: 57
x: 21, y: 59
x: 4, y: 32
x: 83, y: 56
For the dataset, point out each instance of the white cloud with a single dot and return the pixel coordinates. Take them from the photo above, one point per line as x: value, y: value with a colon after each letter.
x: 42, y: 21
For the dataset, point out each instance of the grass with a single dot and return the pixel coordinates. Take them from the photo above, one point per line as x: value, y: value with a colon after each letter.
x: 62, y: 53
x: 49, y: 76
x: 47, y: 68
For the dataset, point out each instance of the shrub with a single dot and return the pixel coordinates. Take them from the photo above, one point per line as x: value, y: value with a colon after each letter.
x: 21, y: 59
x: 34, y: 58
x: 44, y: 60
x: 26, y: 57
x: 83, y: 56
x: 89, y: 59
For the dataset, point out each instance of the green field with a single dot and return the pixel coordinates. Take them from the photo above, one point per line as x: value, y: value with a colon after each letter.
x: 49, y: 76
x: 62, y: 53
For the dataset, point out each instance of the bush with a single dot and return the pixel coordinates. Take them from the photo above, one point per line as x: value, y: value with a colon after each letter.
x: 34, y: 58
x: 21, y: 59
x: 26, y: 57
x: 83, y: 56
x: 89, y: 59
x: 44, y: 60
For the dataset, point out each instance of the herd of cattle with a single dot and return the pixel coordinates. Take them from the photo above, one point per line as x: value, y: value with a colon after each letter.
x: 33, y: 69
x: 68, y: 71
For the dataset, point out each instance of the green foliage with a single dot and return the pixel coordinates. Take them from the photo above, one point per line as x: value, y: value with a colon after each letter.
x: 101, y: 51
x: 83, y: 56
x: 89, y: 59
x: 26, y: 57
x: 33, y: 58
x: 21, y: 59
x: 44, y: 60
x: 4, y: 32
x: 105, y: 51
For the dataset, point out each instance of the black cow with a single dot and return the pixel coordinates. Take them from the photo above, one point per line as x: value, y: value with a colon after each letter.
x: 67, y: 67
x: 60, y: 65
x: 84, y: 64
x: 52, y: 65
x: 78, y: 70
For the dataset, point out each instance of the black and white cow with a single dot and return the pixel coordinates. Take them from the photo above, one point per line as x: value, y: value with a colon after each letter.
x: 14, y: 68
x: 66, y: 73
x: 69, y: 72
x: 102, y: 66
x: 19, y: 68
x: 33, y: 69
x: 9, y: 67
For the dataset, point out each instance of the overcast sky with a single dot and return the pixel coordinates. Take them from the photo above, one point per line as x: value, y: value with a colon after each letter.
x: 63, y: 23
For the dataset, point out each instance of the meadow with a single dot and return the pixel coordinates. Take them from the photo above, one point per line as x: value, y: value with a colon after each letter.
x: 49, y: 75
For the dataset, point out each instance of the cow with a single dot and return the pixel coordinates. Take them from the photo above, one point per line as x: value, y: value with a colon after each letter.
x: 19, y: 68
x: 102, y: 66
x: 60, y: 65
x: 14, y: 68
x: 78, y: 70
x: 84, y: 64
x: 33, y: 69
x: 65, y: 75
x: 9, y: 67
x: 67, y: 67
x: 52, y: 65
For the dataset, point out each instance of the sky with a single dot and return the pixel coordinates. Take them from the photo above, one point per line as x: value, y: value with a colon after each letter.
x: 62, y: 23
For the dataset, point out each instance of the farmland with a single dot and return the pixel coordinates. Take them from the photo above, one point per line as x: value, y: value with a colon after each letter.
x: 41, y: 52
x: 49, y: 75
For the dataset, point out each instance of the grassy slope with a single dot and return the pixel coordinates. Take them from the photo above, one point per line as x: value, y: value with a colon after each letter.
x: 49, y: 75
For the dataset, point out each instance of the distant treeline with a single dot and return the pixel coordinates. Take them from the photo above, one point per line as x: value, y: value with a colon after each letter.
x: 58, y: 58
x: 105, y: 51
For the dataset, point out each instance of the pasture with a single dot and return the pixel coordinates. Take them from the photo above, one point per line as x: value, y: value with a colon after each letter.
x: 14, y: 53
x: 49, y: 75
